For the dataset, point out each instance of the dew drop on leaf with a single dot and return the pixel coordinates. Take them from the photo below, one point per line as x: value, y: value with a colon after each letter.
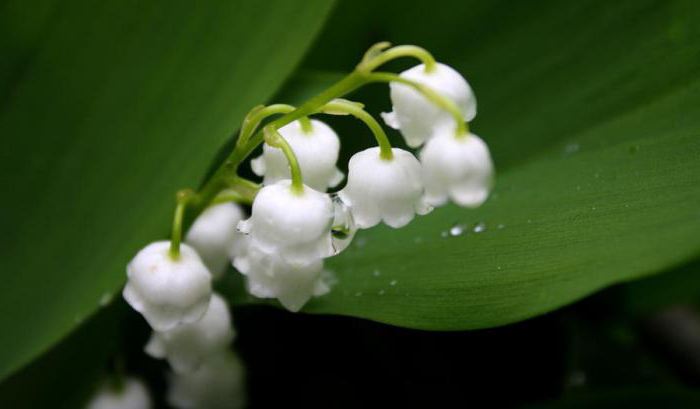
x: 456, y: 230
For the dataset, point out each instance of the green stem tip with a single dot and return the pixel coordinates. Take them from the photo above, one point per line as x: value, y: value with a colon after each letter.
x: 341, y: 106
x: 182, y: 199
x: 273, y: 138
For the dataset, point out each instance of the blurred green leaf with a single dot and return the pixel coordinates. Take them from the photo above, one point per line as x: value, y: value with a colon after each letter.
x: 591, y: 110
x: 65, y: 376
x: 106, y: 109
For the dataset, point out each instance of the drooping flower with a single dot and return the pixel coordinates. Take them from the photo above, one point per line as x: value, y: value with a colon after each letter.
x: 188, y: 345
x: 456, y: 168
x: 217, y: 384
x: 388, y: 190
x: 418, y: 118
x: 212, y: 235
x: 268, y: 275
x: 131, y: 394
x: 317, y: 153
x: 294, y: 225
x: 167, y: 291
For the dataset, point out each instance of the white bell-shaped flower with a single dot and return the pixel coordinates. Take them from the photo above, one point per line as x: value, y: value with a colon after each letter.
x: 317, y: 153
x: 217, y: 384
x: 268, y: 275
x: 459, y: 169
x: 384, y: 190
x: 296, y: 225
x: 188, y: 345
x: 417, y: 117
x: 212, y: 235
x: 131, y: 394
x: 167, y: 291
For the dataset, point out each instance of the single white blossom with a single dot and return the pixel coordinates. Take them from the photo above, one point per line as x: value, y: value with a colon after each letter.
x: 167, y: 291
x: 295, y: 225
x: 268, y: 275
x: 212, y: 235
x: 217, y: 384
x: 131, y: 394
x: 188, y: 345
x: 384, y: 190
x: 417, y: 117
x: 458, y: 168
x: 317, y: 153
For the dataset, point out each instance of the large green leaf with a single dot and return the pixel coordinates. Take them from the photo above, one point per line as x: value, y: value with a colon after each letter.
x: 591, y: 110
x: 106, y: 109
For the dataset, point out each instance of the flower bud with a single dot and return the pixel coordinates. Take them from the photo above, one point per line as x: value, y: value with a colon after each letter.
x: 212, y: 235
x: 456, y: 168
x: 167, y: 291
x: 417, y: 117
x: 296, y: 225
x: 388, y: 190
x: 188, y: 345
x: 316, y: 151
x: 132, y: 394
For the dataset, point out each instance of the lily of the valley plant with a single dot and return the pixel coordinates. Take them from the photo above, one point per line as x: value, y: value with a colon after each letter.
x: 295, y: 224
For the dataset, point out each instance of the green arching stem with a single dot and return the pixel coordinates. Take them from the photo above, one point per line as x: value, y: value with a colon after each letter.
x: 273, y: 138
x: 346, y: 85
x: 182, y: 198
x: 462, y: 128
x: 256, y: 116
x: 374, y: 62
x: 306, y: 125
x: 342, y: 107
x: 375, y: 50
x: 240, y: 190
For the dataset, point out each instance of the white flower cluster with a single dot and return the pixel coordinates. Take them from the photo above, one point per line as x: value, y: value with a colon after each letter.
x: 192, y: 325
x: 294, y: 227
x: 281, y: 248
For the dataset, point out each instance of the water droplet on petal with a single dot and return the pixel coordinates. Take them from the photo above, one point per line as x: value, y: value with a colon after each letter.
x: 343, y: 229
